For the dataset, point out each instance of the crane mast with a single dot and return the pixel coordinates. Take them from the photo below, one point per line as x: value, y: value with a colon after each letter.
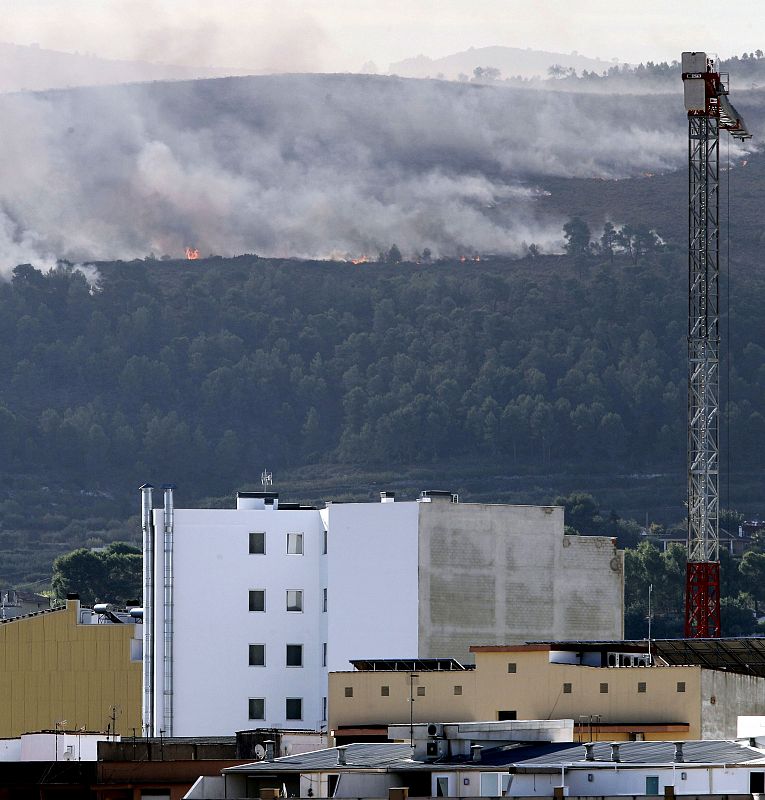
x: 709, y: 111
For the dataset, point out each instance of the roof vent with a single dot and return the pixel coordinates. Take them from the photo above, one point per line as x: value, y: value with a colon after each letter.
x: 615, y: 752
x: 475, y: 752
x: 387, y: 497
x: 588, y: 751
x: 269, y: 743
x: 341, y: 755
x: 679, y: 753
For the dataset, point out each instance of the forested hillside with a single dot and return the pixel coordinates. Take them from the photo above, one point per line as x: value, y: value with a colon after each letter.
x: 205, y: 372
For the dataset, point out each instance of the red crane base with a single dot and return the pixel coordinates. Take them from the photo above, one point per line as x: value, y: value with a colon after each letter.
x: 702, y: 600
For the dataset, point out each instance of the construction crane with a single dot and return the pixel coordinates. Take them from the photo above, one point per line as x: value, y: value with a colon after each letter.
x: 709, y: 111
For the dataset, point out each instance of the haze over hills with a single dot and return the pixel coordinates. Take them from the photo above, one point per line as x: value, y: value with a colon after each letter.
x: 33, y: 68
x: 511, y: 61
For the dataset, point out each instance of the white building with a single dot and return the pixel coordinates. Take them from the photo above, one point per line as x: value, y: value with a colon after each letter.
x: 246, y: 610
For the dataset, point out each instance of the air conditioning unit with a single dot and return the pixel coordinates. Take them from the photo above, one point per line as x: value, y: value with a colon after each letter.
x: 436, y: 748
x: 436, y: 730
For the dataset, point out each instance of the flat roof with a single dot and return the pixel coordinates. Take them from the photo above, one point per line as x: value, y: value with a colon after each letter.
x: 410, y: 665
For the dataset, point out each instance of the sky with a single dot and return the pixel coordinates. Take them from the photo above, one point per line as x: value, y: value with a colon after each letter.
x: 341, y: 35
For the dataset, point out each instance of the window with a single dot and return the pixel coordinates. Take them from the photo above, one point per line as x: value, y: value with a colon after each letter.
x: 257, y: 708
x: 295, y: 544
x: 324, y: 603
x: 757, y: 782
x: 512, y: 667
x: 325, y: 543
x: 349, y: 691
x: 420, y: 691
x: 257, y: 599
x: 566, y: 688
x: 506, y: 715
x: 294, y: 599
x: 294, y: 708
x: 641, y: 687
x: 681, y: 686
x: 457, y: 690
x: 651, y: 784
x: 604, y: 688
x: 323, y: 708
x: 324, y: 654
x: 258, y: 543
x: 257, y: 655
x: 385, y: 691
x: 294, y: 655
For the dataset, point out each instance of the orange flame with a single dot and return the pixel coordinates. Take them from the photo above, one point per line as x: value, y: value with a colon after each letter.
x: 192, y: 253
x: 360, y: 260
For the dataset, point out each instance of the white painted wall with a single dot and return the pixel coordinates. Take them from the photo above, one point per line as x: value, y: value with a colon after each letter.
x: 61, y: 747
x: 372, y: 579
x: 213, y: 627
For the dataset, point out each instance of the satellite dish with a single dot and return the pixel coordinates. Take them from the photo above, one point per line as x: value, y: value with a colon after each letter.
x: 260, y: 751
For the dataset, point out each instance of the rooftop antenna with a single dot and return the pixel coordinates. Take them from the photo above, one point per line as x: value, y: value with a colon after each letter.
x: 267, y: 479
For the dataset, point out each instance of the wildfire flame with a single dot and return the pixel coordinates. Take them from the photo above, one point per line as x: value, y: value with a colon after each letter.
x: 360, y: 260
x: 192, y: 253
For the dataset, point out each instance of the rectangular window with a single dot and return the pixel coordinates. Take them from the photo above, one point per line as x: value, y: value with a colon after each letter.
x: 385, y: 691
x: 420, y: 691
x: 506, y: 715
x: 294, y: 655
x: 324, y: 654
x: 489, y: 784
x: 257, y: 655
x: 257, y: 708
x: 258, y: 543
x: 512, y: 667
x: 349, y: 691
x: 604, y: 688
x: 294, y: 708
x: 295, y: 544
x: 324, y: 604
x: 323, y: 708
x: 257, y: 599
x: 566, y: 688
x: 681, y: 686
x: 641, y: 687
x: 458, y: 690
x: 757, y: 782
x: 294, y: 599
x: 325, y: 543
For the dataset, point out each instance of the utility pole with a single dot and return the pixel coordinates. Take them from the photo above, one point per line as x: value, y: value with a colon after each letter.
x: 709, y: 110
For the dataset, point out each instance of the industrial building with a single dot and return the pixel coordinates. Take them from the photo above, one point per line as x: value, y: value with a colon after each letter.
x: 276, y: 595
x: 70, y: 668
x: 503, y: 764
x: 613, y: 691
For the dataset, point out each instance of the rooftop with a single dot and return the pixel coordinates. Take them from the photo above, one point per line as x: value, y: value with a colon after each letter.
x: 410, y: 665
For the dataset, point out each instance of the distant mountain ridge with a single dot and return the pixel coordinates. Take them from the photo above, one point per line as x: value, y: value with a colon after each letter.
x: 511, y: 61
x: 33, y: 68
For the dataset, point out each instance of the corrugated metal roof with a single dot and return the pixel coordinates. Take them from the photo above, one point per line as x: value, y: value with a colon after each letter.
x: 397, y: 757
x: 694, y: 752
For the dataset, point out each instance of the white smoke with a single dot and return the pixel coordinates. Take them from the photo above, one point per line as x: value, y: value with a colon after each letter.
x: 307, y: 166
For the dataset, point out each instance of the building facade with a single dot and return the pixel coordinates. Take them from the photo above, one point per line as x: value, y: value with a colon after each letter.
x: 273, y: 596
x: 60, y: 670
x: 607, y: 688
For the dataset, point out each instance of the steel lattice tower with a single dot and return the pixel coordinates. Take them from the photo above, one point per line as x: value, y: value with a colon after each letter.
x: 708, y: 111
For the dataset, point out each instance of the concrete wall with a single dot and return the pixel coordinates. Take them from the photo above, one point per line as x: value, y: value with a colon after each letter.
x: 534, y: 691
x: 53, y: 669
x: 726, y: 696
x: 497, y: 574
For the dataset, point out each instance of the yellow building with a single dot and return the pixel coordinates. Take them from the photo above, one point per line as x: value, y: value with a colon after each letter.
x: 607, y: 688
x: 60, y: 669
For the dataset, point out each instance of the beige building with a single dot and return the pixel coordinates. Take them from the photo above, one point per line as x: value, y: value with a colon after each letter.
x: 60, y: 669
x: 607, y: 688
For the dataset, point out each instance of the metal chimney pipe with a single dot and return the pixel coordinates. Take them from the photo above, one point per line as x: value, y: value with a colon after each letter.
x: 475, y: 752
x: 341, y: 755
x: 168, y: 609
x: 147, y: 529
x: 679, y: 758
x: 615, y: 752
x: 588, y: 754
